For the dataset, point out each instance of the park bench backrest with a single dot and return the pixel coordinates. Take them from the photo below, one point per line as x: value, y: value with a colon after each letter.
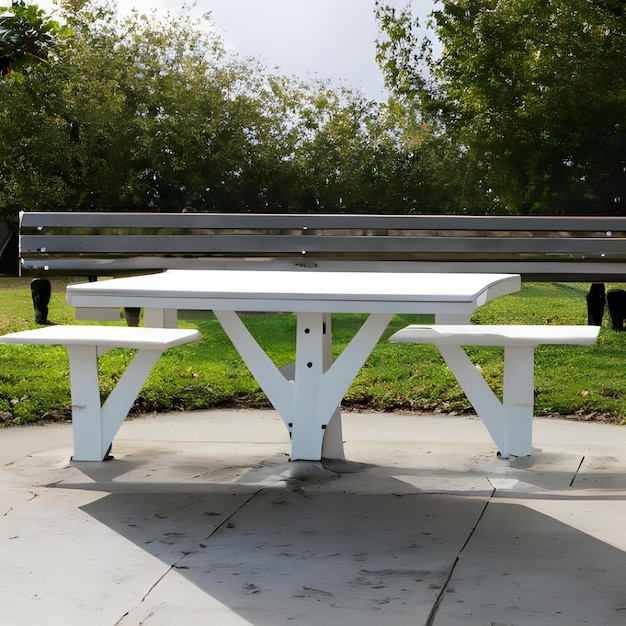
x: 579, y: 248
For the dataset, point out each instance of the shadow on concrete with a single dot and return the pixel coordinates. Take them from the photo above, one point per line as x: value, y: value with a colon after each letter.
x: 373, y: 549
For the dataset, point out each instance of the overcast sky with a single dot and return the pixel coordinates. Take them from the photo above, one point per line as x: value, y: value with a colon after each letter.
x: 325, y: 39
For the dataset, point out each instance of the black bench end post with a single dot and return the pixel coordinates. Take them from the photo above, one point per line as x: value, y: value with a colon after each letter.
x: 41, y: 289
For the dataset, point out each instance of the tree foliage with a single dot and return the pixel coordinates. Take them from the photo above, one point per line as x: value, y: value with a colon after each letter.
x: 517, y: 108
x: 27, y: 37
x: 153, y: 113
x: 532, y: 94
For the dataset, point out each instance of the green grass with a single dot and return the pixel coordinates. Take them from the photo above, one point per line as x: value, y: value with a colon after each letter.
x: 586, y: 382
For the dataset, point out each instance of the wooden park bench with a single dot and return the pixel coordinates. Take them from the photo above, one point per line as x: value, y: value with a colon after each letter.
x: 545, y: 248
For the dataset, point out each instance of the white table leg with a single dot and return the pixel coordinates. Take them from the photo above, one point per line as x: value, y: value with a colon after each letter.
x: 160, y: 318
x: 308, y: 404
x: 318, y: 391
x: 307, y: 431
x: 94, y: 424
x: 332, y: 443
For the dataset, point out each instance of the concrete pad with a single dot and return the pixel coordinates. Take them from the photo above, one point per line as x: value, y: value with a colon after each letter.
x: 21, y: 441
x: 57, y: 563
x: 545, y: 470
x: 200, y: 518
x: 176, y: 602
x: 306, y: 557
x: 227, y: 426
x: 523, y: 567
x: 602, y: 472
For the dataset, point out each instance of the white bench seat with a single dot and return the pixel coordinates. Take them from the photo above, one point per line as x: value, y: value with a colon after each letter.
x: 509, y: 421
x: 95, y: 424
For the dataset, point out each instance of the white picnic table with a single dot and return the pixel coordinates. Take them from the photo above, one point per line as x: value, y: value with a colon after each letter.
x: 308, y: 396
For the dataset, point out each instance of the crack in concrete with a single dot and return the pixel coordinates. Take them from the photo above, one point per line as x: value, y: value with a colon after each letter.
x: 177, y: 564
x: 435, y: 608
x: 575, y: 476
x: 33, y: 495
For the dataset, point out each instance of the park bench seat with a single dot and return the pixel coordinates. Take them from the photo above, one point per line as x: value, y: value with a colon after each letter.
x: 509, y: 422
x: 94, y: 423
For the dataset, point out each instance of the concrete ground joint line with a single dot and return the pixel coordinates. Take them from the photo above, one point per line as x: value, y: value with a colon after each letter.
x: 121, y: 619
x: 227, y: 519
x: 176, y: 564
x: 150, y: 590
x: 439, y: 599
x: 435, y: 608
x: 575, y: 476
x: 480, y: 517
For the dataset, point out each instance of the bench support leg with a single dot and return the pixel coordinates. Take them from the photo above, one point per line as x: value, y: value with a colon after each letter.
x: 519, y: 398
x: 509, y: 422
x: 95, y: 424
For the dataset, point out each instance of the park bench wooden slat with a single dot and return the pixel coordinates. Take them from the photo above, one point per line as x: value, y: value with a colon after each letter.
x: 37, y: 219
x: 186, y: 245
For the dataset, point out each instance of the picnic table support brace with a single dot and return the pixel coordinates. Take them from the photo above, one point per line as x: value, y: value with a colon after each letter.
x: 309, y: 404
x: 94, y: 424
x: 509, y: 422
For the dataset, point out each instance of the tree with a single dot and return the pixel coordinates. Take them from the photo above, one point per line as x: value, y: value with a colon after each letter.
x: 533, y: 95
x: 27, y: 37
x: 145, y: 113
x: 152, y: 113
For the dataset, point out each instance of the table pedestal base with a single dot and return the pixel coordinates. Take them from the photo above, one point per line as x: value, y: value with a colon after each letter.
x: 308, y: 402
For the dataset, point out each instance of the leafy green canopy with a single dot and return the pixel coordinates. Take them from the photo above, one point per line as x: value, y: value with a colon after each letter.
x: 531, y: 94
x: 153, y: 113
x: 27, y: 37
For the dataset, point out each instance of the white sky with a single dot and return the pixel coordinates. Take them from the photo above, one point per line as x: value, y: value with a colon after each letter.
x: 324, y: 39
